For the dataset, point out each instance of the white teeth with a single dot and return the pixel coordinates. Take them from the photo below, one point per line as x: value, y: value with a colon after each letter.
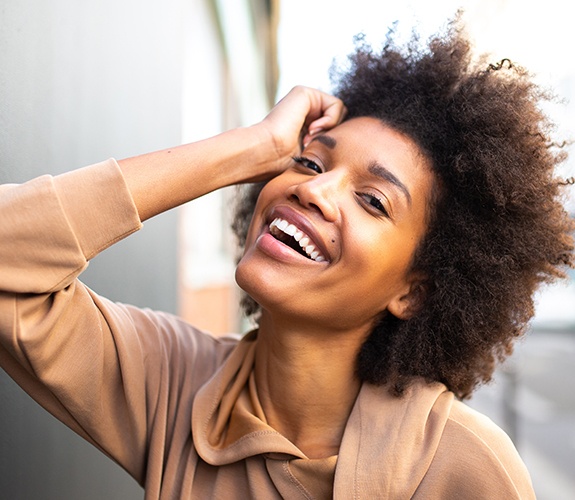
x: 299, y: 236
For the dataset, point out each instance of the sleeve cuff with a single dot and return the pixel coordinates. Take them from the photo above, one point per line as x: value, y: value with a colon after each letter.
x: 98, y: 206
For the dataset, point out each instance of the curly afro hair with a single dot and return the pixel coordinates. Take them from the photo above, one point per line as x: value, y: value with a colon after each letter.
x: 498, y: 228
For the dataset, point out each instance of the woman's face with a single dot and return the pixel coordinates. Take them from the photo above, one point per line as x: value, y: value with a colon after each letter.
x: 332, y: 237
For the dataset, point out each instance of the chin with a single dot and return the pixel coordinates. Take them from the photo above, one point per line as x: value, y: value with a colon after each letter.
x: 252, y: 280
x: 249, y: 280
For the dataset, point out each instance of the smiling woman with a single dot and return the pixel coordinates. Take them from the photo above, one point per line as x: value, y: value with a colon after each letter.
x: 391, y: 251
x: 366, y: 228
x: 485, y: 248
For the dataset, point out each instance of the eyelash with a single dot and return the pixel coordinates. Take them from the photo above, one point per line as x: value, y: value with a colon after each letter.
x: 375, y: 202
x: 306, y: 162
x: 368, y: 198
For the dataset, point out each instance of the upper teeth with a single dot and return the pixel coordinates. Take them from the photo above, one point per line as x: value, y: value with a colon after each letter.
x: 298, y: 235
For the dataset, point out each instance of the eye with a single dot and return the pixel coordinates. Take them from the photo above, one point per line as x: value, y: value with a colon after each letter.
x: 373, y: 202
x: 307, y: 163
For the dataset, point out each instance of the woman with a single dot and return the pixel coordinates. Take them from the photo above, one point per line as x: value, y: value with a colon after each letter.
x: 392, y: 261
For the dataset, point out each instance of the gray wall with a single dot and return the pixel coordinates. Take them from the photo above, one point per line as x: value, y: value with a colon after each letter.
x: 81, y: 82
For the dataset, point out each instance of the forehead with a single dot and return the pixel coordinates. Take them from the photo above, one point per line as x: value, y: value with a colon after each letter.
x: 372, y: 136
x: 384, y: 151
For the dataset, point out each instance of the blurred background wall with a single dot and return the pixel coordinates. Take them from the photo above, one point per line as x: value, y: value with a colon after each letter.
x: 84, y: 81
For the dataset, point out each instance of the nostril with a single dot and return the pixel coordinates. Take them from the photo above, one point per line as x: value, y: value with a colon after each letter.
x: 315, y: 207
x: 310, y: 205
x: 316, y: 196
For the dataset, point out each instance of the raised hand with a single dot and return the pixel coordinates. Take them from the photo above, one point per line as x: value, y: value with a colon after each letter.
x: 302, y: 113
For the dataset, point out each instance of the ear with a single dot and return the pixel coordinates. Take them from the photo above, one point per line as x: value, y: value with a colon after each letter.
x: 407, y: 303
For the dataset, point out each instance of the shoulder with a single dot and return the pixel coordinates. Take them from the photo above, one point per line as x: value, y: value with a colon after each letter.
x: 469, y: 424
x: 180, y: 339
x: 160, y: 342
x: 475, y: 458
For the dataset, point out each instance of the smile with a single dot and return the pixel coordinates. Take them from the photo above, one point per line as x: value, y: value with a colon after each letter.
x: 295, y: 238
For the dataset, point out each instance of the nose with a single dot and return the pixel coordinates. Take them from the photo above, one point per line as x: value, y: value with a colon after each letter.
x: 320, y: 193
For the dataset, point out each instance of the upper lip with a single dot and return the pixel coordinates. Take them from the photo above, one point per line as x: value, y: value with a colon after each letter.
x: 301, y: 222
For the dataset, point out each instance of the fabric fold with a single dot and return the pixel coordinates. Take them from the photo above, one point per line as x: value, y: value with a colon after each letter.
x: 225, y: 428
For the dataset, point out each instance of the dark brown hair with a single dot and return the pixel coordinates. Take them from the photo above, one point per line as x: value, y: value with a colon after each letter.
x: 498, y: 228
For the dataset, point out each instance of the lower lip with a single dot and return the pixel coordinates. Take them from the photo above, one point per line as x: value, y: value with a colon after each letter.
x: 278, y: 250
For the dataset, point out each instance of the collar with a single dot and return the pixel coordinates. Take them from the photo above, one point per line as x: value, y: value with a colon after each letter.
x: 387, y: 446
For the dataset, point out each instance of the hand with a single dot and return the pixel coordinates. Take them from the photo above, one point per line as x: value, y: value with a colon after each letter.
x: 301, y: 114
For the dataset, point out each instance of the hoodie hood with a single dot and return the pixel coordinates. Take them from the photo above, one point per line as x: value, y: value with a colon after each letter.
x: 386, y: 450
x: 228, y: 423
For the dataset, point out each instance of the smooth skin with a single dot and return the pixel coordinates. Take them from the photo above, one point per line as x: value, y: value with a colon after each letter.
x: 361, y: 190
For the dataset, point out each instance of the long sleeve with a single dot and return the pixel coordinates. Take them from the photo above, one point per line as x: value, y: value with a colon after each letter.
x: 113, y: 373
x: 52, y: 226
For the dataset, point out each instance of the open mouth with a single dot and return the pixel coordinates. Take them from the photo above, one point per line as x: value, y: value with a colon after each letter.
x: 295, y: 238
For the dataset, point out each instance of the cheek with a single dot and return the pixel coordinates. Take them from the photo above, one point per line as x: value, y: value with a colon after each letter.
x: 381, y: 258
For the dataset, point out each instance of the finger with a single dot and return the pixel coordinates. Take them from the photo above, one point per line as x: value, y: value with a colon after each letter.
x: 331, y: 116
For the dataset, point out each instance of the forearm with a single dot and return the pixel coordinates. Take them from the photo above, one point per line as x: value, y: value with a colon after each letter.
x: 165, y: 179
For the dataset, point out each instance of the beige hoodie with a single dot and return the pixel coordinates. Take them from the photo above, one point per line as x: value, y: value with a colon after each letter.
x: 179, y: 409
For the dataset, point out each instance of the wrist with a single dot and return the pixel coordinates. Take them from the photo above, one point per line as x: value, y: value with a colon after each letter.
x: 265, y: 153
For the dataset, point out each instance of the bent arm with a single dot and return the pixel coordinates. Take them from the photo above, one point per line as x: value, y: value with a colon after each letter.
x: 104, y: 368
x: 165, y: 179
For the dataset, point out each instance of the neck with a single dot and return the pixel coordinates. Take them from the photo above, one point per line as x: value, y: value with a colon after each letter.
x: 306, y: 383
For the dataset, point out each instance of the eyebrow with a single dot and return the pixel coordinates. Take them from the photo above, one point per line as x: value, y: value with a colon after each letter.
x: 382, y: 172
x: 326, y: 140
